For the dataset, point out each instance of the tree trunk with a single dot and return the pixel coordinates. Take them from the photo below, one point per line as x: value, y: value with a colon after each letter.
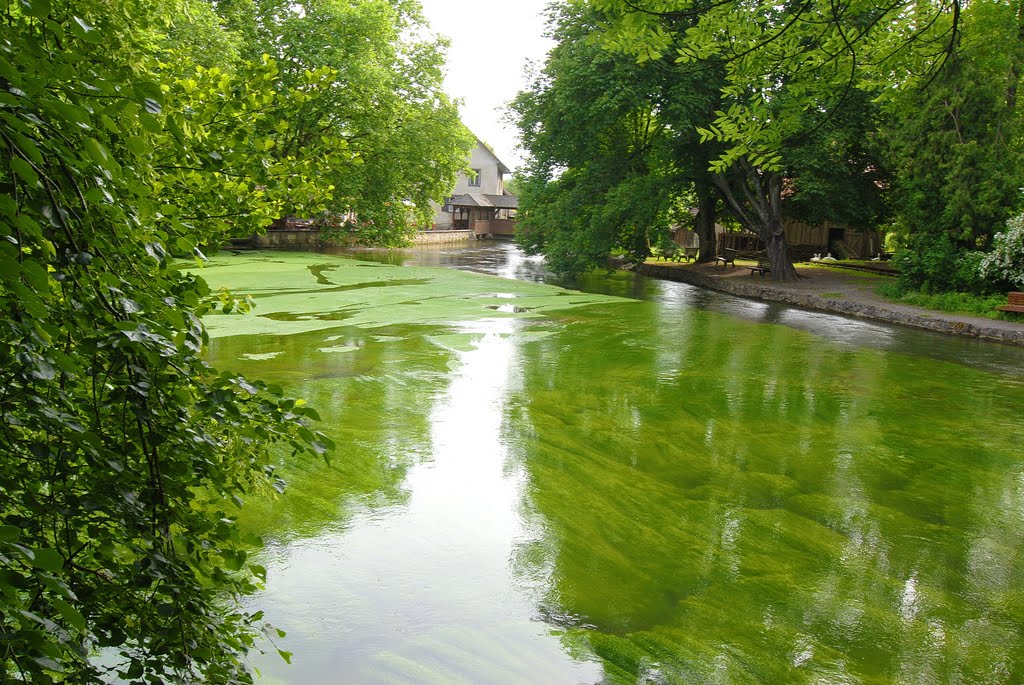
x: 755, y: 198
x: 707, y: 201
x: 778, y: 253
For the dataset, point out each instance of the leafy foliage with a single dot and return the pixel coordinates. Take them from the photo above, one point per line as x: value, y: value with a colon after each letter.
x: 837, y: 172
x: 953, y: 302
x: 1005, y: 263
x: 381, y: 103
x: 603, y: 132
x: 787, y: 67
x: 757, y: 94
x: 851, y: 113
x: 956, y: 149
x: 128, y: 137
x: 935, y: 264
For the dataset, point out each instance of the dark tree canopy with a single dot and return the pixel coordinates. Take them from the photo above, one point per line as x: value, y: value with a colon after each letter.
x: 899, y: 116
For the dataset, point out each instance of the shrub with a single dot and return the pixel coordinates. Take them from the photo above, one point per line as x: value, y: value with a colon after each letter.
x: 934, y: 263
x: 952, y: 302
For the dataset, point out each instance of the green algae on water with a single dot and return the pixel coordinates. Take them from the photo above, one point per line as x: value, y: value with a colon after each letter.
x: 623, y: 491
x: 292, y: 297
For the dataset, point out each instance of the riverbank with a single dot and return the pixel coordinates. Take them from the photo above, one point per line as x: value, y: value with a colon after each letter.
x: 834, y: 290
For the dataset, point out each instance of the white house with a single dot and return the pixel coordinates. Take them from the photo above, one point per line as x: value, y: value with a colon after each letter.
x: 479, y: 201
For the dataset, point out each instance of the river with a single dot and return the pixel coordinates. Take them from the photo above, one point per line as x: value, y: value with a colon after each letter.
x: 631, y: 481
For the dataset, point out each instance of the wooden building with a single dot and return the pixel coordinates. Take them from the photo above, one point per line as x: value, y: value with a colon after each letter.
x: 469, y: 209
x: 479, y: 197
x: 806, y: 240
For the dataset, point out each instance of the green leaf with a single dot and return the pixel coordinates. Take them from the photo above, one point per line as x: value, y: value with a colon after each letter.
x: 48, y: 559
x: 70, y: 113
x: 287, y: 656
x: 150, y: 123
x: 36, y: 276
x: 27, y: 147
x: 70, y: 614
x: 36, y: 8
x: 81, y: 28
x: 99, y: 154
x: 234, y: 560
x: 25, y: 171
x: 9, y: 533
x: 56, y: 29
x: 138, y: 145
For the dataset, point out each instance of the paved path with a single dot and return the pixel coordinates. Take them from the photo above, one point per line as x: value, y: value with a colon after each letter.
x: 835, y: 290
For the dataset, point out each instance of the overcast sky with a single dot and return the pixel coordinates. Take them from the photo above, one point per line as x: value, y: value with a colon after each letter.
x: 491, y: 41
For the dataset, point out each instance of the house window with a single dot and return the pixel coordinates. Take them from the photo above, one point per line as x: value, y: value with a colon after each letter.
x: 474, y: 178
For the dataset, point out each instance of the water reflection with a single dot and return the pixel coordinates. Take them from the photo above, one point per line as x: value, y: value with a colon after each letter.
x: 774, y: 509
x: 424, y: 593
x: 688, y: 488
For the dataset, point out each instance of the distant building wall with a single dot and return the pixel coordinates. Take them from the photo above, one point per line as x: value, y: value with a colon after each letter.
x: 806, y: 240
x: 490, y: 181
x: 495, y: 227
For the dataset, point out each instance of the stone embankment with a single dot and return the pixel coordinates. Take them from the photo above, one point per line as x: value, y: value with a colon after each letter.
x: 838, y: 291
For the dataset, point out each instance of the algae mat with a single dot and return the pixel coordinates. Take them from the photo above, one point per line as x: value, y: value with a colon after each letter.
x: 535, y: 485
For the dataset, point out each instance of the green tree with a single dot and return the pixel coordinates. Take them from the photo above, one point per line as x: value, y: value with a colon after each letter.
x: 831, y: 170
x: 123, y: 452
x: 606, y: 137
x: 383, y: 104
x: 957, y: 149
x: 788, y: 69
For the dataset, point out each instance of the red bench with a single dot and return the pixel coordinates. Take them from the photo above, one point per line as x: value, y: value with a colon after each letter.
x: 1014, y: 303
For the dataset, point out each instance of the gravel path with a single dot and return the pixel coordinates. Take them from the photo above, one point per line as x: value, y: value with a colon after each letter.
x: 835, y: 290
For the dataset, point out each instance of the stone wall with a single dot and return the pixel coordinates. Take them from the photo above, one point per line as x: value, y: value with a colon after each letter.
x: 287, y: 238
x: 442, y: 237
x: 968, y: 326
x: 311, y: 238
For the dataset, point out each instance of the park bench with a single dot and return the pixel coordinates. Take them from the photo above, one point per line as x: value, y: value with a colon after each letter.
x: 728, y: 256
x: 677, y: 254
x: 670, y: 253
x: 763, y: 267
x: 1014, y: 303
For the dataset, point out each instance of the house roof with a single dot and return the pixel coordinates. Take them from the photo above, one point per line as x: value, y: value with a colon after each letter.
x: 504, y: 201
x: 484, y: 200
x: 501, y: 165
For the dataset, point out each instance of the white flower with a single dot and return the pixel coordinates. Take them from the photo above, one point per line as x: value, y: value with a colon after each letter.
x: 1006, y: 260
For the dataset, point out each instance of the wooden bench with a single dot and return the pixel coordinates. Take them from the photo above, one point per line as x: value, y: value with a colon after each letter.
x: 728, y: 256
x: 1014, y: 303
x: 763, y: 267
x: 690, y: 253
x: 671, y: 253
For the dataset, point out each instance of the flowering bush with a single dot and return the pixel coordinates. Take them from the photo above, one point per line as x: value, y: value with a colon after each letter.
x: 1006, y: 260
